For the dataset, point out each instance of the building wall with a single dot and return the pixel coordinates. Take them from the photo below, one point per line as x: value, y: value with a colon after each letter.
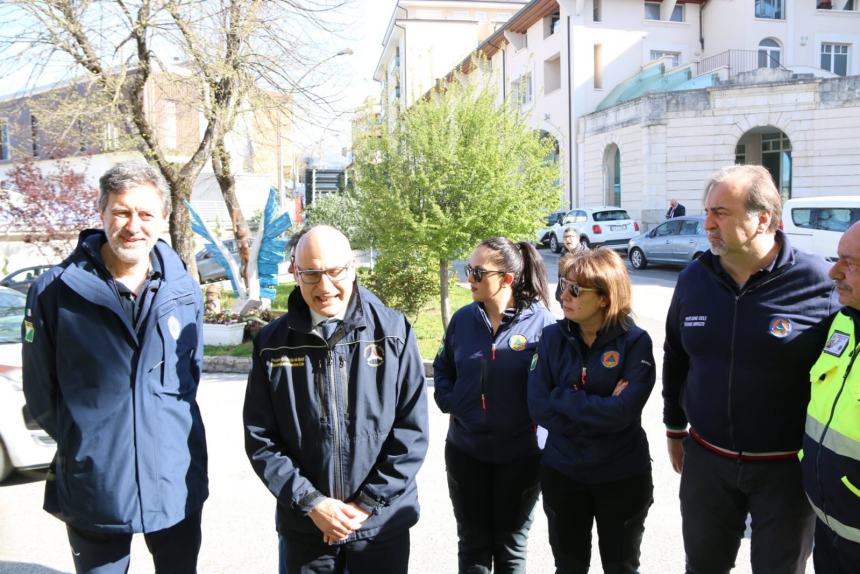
x: 671, y: 143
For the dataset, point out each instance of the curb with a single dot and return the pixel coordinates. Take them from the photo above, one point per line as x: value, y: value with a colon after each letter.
x: 226, y: 364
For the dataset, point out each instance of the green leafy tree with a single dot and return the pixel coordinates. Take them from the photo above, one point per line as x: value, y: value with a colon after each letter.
x: 340, y: 210
x: 452, y: 171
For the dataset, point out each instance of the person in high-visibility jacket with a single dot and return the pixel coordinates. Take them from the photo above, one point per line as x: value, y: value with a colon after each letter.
x: 831, y: 447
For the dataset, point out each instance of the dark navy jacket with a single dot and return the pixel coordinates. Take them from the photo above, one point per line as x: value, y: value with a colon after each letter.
x: 481, y: 381
x: 593, y: 436
x: 345, y: 419
x: 119, y: 399
x: 736, y: 362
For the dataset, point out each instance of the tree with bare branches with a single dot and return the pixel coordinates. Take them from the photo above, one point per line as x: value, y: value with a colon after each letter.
x: 235, y: 56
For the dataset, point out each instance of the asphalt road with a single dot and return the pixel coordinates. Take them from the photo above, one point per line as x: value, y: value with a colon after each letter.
x: 238, y: 519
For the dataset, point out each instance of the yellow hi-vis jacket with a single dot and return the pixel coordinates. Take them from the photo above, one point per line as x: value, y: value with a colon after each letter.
x: 831, y: 446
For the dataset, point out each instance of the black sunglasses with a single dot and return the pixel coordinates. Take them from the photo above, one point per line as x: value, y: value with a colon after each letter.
x: 478, y: 274
x: 574, y: 289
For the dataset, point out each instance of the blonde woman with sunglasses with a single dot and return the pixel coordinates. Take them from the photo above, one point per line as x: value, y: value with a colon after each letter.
x: 590, y: 378
x: 480, y: 373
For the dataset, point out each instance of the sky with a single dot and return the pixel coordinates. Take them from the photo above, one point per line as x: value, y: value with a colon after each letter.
x: 362, y: 25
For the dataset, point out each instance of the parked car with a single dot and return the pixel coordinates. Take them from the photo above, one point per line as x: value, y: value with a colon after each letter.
x: 208, y: 268
x: 815, y: 224
x: 542, y: 236
x: 597, y: 226
x: 23, y: 444
x: 21, y: 279
x: 675, y: 242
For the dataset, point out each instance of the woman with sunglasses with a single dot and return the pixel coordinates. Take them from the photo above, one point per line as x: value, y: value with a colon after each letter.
x: 590, y: 378
x: 480, y: 374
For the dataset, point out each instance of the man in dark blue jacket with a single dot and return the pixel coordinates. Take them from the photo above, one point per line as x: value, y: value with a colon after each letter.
x: 336, y: 419
x: 112, y: 353
x: 744, y: 326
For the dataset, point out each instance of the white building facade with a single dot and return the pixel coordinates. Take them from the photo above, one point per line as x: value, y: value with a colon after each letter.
x: 646, y: 99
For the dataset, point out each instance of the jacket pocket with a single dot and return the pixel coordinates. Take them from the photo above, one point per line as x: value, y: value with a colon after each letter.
x: 177, y: 329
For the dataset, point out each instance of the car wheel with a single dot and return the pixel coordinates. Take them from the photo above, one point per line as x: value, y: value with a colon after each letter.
x: 553, y: 244
x: 637, y: 259
x: 584, y: 240
x: 5, y: 463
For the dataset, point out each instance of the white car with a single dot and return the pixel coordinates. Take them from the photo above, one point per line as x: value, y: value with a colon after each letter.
x: 543, y: 234
x: 815, y: 224
x: 597, y: 226
x: 23, y: 444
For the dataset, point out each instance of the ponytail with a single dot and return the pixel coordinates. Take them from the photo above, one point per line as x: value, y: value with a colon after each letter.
x: 523, y: 260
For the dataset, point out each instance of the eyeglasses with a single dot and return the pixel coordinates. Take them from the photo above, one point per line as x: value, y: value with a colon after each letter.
x: 314, y: 276
x: 574, y: 289
x: 478, y: 274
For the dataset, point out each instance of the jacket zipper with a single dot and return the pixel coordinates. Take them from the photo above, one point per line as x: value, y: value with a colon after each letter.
x: 335, y: 424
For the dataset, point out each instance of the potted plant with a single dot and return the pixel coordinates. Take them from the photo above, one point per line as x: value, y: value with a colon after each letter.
x: 223, y: 328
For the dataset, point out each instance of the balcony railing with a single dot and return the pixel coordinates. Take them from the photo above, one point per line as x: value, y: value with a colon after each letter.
x: 738, y: 61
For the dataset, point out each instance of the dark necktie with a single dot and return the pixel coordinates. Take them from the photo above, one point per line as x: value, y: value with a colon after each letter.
x: 328, y: 328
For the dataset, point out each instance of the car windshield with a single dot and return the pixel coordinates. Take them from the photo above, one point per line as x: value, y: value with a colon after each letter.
x: 12, y: 306
x: 614, y: 215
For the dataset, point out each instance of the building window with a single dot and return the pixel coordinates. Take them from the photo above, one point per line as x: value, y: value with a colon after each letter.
x: 597, y: 16
x: 676, y: 56
x: 598, y: 67
x: 521, y: 89
x: 772, y: 9
x: 34, y: 134
x: 169, y: 125
x: 834, y: 57
x: 552, y: 74
x: 111, y: 137
x: 740, y: 154
x: 769, y: 53
x: 5, y: 149
x: 612, y: 175
x: 552, y: 24
x: 677, y: 13
x: 652, y: 11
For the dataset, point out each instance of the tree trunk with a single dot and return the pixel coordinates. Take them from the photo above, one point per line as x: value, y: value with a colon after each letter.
x: 227, y: 183
x: 444, y: 303
x: 180, y: 224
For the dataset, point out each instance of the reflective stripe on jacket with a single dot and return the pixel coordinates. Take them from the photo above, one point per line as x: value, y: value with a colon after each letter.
x: 831, y: 446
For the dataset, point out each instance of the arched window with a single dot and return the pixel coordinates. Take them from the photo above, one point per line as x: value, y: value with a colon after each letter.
x: 612, y: 175
x: 769, y: 53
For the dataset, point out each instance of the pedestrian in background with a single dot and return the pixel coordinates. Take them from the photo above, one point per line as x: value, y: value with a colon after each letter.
x: 590, y: 379
x: 744, y: 327
x: 831, y: 446
x: 336, y: 419
x: 572, y: 247
x: 480, y: 374
x: 112, y: 357
x: 675, y: 209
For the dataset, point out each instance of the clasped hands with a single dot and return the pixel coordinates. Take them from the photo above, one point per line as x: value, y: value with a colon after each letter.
x: 337, y: 519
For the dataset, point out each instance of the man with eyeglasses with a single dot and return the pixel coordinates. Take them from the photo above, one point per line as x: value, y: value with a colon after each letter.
x: 831, y: 447
x: 336, y: 418
x: 746, y: 323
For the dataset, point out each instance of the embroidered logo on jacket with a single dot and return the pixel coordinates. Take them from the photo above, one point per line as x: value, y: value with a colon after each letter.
x: 174, y: 327
x: 517, y: 342
x: 610, y: 359
x: 534, y: 362
x: 29, y: 332
x: 780, y: 327
x: 373, y: 355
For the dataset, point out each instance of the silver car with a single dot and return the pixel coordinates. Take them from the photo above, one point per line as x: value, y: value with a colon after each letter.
x: 675, y: 242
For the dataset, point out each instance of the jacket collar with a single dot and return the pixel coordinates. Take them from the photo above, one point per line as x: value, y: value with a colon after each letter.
x: 299, y: 314
x: 571, y: 331
x: 784, y: 258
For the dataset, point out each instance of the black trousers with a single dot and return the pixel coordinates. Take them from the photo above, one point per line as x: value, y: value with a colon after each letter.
x: 619, y: 507
x: 833, y: 554
x: 301, y: 553
x: 174, y: 550
x: 716, y: 495
x: 494, y: 507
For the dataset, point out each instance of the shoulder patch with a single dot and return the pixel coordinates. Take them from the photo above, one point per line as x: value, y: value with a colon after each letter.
x: 29, y: 332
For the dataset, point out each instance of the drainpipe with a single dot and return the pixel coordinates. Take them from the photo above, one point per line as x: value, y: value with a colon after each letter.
x: 403, y: 58
x: 701, y: 27
x: 504, y: 76
x: 570, y: 139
